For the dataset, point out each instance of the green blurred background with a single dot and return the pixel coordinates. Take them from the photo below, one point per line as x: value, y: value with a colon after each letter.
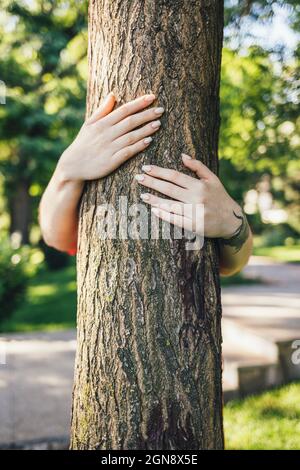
x: 43, y: 72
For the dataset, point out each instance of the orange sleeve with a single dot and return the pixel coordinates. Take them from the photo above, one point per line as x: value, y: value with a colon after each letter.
x: 72, y: 252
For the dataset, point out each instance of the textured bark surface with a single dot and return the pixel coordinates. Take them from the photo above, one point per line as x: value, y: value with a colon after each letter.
x: 148, y: 365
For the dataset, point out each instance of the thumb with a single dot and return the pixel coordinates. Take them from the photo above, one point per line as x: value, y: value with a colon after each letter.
x: 201, y: 170
x: 103, y: 109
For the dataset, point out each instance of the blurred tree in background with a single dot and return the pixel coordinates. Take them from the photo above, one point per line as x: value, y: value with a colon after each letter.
x: 42, y: 62
x: 260, y: 127
x: 259, y: 139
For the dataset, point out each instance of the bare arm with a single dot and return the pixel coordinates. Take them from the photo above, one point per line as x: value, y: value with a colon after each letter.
x: 236, y: 248
x: 58, y: 212
x: 105, y: 141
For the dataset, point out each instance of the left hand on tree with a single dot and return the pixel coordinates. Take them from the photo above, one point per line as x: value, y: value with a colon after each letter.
x: 207, y: 189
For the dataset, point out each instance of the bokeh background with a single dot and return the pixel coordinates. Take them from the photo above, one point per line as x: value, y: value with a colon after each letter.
x: 43, y: 73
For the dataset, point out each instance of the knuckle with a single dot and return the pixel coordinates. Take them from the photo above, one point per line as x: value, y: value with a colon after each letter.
x: 174, y: 175
x: 126, y: 153
x: 130, y: 121
x: 213, y: 179
x: 129, y: 139
x: 125, y: 110
x: 148, y: 114
x: 99, y: 125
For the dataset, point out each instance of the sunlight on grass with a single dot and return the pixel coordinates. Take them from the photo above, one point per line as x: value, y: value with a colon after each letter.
x: 38, y: 293
x: 50, y: 303
x: 45, y: 290
x: 289, y: 254
x: 269, y: 421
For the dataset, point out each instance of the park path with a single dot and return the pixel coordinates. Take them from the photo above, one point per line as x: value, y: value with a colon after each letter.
x: 36, y: 381
x: 260, y: 322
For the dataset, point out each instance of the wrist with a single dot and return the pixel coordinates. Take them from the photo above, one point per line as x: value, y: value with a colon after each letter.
x: 233, y: 220
x: 237, y: 239
x: 64, y: 176
x: 65, y: 169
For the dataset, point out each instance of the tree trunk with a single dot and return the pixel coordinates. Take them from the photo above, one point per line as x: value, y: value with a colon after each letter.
x: 148, y: 366
x: 20, y: 210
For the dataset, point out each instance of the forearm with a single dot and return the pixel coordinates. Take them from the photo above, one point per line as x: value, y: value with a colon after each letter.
x: 236, y: 250
x: 58, y: 212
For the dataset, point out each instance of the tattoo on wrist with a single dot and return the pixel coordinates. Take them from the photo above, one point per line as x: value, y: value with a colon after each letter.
x: 241, y: 234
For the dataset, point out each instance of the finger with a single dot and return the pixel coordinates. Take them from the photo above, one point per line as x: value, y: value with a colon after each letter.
x: 105, y: 108
x: 163, y: 187
x: 201, y: 170
x: 127, y: 109
x: 173, y: 176
x: 135, y: 120
x: 128, y: 152
x: 174, y: 219
x: 135, y: 136
x: 169, y: 205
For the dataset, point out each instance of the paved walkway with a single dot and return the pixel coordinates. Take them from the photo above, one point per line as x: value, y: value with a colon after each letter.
x: 36, y: 382
x: 257, y: 316
x: 36, y: 386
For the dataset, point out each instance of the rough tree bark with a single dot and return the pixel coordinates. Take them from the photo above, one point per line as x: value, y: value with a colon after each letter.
x: 148, y: 365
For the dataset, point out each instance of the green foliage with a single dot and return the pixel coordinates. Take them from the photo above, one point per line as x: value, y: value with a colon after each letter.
x: 258, y: 10
x: 50, y: 303
x: 54, y: 259
x: 13, y: 277
x: 264, y: 422
x: 260, y: 128
x: 43, y: 64
x: 239, y: 279
x: 279, y: 234
x: 259, y: 113
x: 287, y: 254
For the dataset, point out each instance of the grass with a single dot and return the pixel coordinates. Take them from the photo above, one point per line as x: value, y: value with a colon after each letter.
x: 239, y: 279
x: 268, y: 421
x: 50, y: 303
x: 287, y: 254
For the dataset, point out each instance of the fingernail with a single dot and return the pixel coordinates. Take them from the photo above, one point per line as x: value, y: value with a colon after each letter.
x: 159, y: 110
x: 145, y: 196
x: 184, y: 155
x: 146, y: 168
x: 156, y: 124
x: 147, y: 140
x: 149, y: 97
x: 139, y: 177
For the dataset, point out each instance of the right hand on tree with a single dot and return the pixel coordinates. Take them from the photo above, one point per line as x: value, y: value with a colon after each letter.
x: 109, y: 138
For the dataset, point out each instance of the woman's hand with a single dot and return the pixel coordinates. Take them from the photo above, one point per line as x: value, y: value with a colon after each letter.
x: 104, y: 142
x: 109, y: 138
x: 220, y: 220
